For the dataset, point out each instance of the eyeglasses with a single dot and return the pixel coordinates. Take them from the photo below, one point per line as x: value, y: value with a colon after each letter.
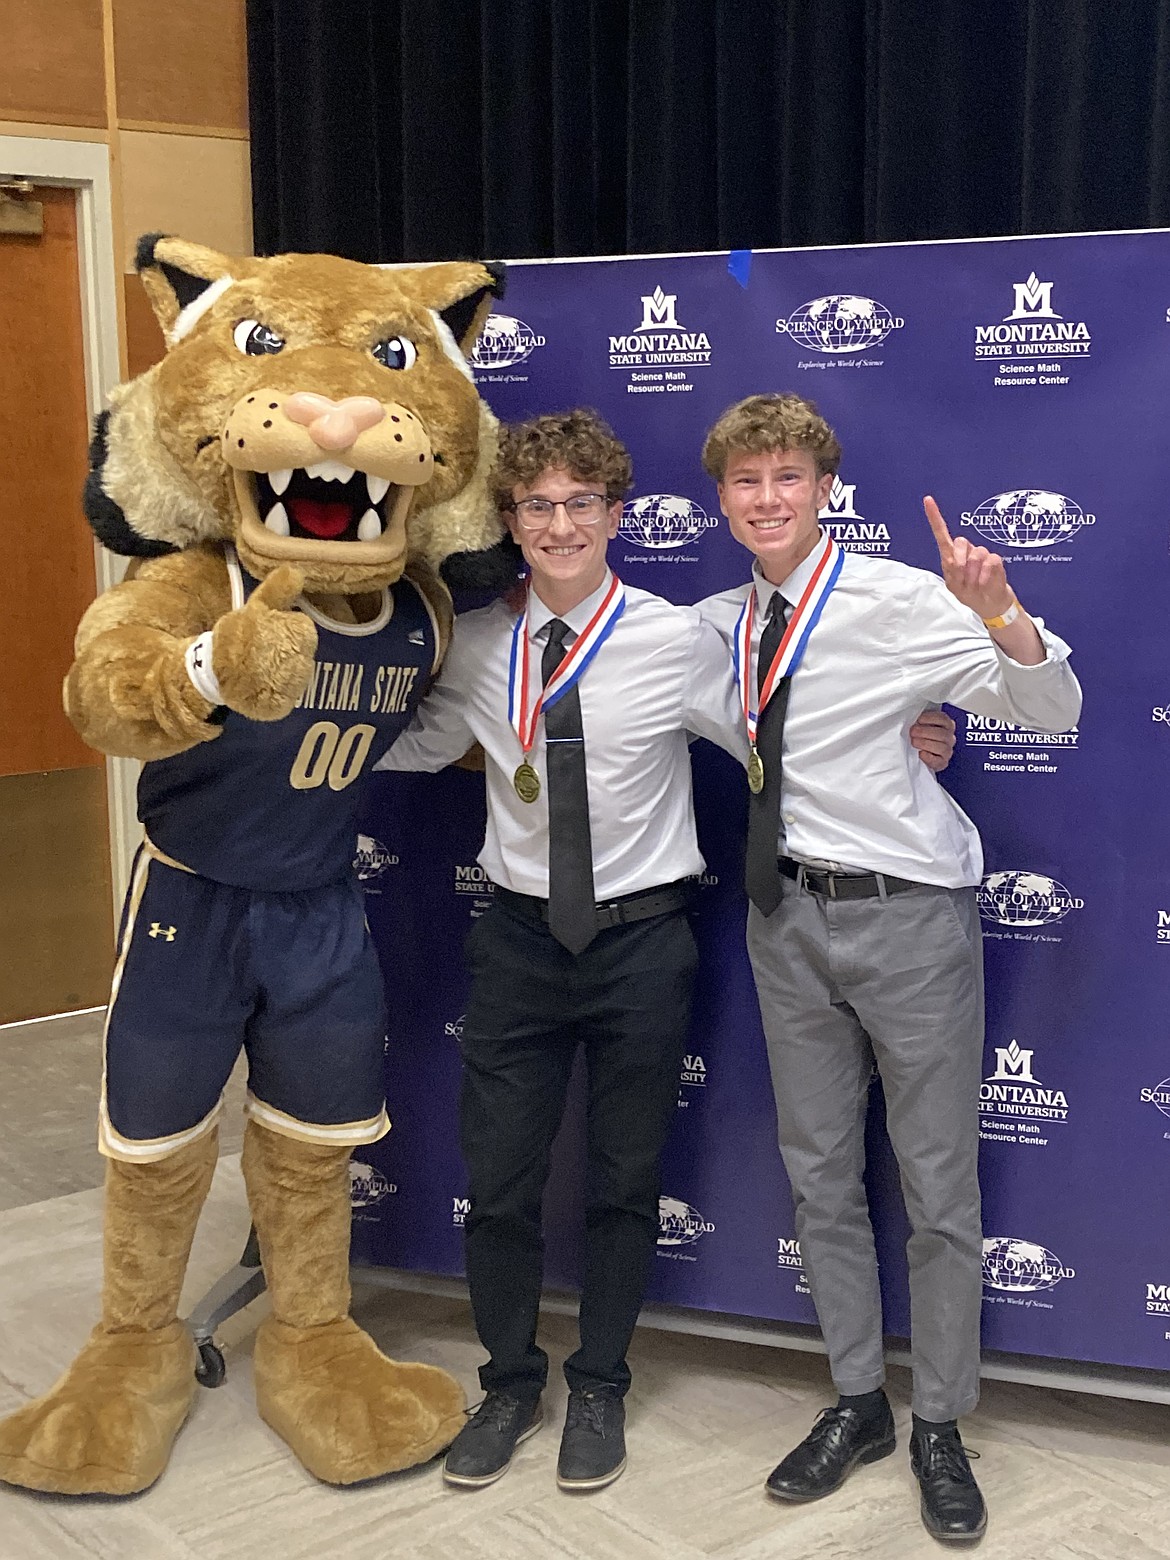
x: 536, y: 514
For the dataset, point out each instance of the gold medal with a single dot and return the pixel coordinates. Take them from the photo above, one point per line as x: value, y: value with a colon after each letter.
x: 527, y: 782
x: 755, y: 773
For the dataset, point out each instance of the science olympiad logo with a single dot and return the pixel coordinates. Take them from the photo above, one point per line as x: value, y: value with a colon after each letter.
x: 1158, y: 1096
x: 1020, y: 1267
x: 839, y: 324
x: 1024, y: 899
x: 504, y: 342
x: 367, y: 1185
x: 663, y: 522
x: 1028, y: 518
x: 679, y: 1224
x: 372, y: 861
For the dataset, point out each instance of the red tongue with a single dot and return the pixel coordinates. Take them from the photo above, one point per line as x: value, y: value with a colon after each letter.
x: 320, y: 519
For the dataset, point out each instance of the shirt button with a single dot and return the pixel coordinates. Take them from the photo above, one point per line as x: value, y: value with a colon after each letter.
x: 789, y: 817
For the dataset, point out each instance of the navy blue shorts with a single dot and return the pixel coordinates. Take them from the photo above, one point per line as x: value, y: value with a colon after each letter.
x: 203, y: 969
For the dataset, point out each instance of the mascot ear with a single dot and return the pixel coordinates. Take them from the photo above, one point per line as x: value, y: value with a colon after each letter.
x: 464, y: 315
x: 182, y: 280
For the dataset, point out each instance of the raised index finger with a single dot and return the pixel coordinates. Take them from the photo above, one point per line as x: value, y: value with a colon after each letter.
x: 939, y: 526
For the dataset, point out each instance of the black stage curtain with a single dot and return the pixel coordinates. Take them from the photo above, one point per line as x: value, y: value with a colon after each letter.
x: 414, y: 129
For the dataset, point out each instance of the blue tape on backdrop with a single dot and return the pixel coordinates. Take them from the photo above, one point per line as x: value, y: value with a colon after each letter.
x: 739, y: 264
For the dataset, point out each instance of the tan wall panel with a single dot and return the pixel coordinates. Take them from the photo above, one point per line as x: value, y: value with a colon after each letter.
x: 50, y: 132
x: 51, y: 61
x: 182, y: 64
x: 198, y: 187
x: 56, y: 910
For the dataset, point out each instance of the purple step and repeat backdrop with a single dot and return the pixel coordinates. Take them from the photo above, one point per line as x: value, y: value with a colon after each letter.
x: 1026, y: 383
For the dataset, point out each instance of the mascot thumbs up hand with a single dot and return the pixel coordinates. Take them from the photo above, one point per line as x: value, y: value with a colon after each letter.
x: 262, y: 654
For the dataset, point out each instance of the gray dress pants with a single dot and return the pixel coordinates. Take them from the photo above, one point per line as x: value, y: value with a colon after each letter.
x: 897, y: 981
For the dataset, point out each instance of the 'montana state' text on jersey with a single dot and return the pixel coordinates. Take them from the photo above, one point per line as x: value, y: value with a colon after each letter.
x: 273, y: 805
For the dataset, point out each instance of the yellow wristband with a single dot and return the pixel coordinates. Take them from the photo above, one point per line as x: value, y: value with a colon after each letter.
x: 1005, y: 618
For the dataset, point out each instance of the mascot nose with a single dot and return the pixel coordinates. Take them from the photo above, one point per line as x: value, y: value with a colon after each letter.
x: 334, y: 425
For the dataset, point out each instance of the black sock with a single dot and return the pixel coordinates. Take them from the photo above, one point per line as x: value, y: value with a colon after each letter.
x: 939, y: 1426
x: 868, y: 1404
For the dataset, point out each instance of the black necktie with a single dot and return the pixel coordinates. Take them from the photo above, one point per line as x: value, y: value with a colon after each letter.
x: 762, y: 874
x: 572, y: 918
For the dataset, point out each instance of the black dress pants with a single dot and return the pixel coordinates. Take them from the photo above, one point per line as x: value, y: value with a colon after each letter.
x: 626, y: 999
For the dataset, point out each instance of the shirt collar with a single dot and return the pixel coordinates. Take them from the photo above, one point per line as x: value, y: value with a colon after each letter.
x: 792, y: 588
x: 540, y: 616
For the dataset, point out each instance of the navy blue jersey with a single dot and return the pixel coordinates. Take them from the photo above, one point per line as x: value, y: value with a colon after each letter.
x: 273, y: 805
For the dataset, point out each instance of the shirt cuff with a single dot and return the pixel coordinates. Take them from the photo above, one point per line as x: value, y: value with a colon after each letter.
x: 1056, y: 653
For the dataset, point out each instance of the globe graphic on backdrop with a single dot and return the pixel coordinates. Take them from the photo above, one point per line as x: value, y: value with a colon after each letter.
x: 664, y: 520
x: 678, y: 1223
x: 1019, y: 1266
x: 1028, y: 518
x: 1023, y: 899
x: 840, y: 323
x: 503, y: 342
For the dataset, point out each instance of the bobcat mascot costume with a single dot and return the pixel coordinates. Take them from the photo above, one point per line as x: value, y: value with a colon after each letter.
x: 289, y: 480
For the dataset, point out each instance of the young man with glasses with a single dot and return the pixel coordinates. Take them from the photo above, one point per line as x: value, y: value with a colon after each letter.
x: 863, y: 929
x: 582, y: 697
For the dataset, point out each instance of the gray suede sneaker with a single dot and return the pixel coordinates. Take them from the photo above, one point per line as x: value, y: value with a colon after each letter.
x: 482, y: 1451
x: 593, y: 1445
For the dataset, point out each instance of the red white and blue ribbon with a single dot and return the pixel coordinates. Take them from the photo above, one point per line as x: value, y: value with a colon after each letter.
x: 578, y: 656
x: 826, y: 571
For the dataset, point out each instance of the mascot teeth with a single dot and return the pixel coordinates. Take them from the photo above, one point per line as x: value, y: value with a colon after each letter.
x: 330, y: 471
x: 277, y: 520
x: 377, y: 487
x: 280, y: 479
x: 369, y: 527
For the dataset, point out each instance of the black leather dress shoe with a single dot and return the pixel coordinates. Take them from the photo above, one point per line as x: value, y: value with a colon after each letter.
x: 838, y: 1441
x: 952, y: 1507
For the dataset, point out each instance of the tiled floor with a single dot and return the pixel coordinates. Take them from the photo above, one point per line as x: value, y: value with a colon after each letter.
x: 1066, y: 1475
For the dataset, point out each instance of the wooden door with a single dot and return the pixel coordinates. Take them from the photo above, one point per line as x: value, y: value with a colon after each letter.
x: 56, y: 932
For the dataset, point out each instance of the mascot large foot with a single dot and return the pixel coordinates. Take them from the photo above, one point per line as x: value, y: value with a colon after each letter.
x: 107, y: 1426
x: 347, y: 1411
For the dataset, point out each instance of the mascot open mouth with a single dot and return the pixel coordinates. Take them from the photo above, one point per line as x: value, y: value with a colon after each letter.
x: 295, y: 511
x: 327, y: 502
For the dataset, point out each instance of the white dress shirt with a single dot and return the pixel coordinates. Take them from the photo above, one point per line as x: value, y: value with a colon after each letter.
x: 662, y: 672
x: 891, y: 640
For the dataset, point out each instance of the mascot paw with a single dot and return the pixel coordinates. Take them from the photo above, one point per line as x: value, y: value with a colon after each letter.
x: 263, y: 652
x: 347, y: 1411
x: 108, y: 1425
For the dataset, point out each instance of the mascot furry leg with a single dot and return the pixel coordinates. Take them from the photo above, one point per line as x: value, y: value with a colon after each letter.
x: 321, y: 1382
x: 108, y: 1424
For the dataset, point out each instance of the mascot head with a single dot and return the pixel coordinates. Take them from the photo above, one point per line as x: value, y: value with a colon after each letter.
x: 310, y: 410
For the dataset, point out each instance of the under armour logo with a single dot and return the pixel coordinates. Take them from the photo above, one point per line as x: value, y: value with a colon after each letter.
x: 158, y: 930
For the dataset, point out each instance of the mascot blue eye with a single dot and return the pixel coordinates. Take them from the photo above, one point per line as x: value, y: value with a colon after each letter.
x: 256, y: 339
x: 397, y: 352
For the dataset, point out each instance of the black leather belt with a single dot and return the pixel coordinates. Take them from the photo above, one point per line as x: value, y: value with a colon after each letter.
x: 615, y: 912
x: 843, y: 885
